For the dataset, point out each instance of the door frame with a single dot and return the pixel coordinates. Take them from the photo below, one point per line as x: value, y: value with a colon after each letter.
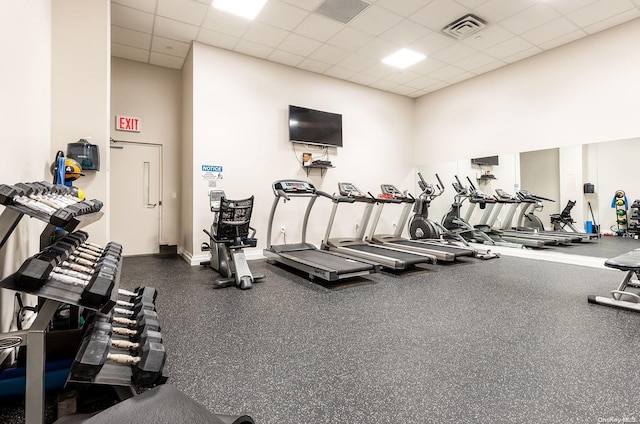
x: 119, y: 144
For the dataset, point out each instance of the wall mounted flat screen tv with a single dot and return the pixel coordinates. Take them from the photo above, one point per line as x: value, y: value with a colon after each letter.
x: 489, y: 160
x: 310, y: 126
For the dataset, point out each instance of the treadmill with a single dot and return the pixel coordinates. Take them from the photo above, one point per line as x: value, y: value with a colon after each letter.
x: 441, y: 250
x: 528, y: 239
x: 389, y: 257
x: 528, y: 221
x: 303, y: 256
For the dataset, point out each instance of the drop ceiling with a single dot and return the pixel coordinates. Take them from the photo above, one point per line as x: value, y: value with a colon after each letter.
x: 290, y: 32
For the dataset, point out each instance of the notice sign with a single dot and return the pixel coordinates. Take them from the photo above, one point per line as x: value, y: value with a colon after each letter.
x: 128, y: 123
x: 211, y: 172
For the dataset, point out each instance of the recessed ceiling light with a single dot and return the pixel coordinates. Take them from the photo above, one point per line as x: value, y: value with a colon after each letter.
x: 246, y: 8
x: 403, y: 58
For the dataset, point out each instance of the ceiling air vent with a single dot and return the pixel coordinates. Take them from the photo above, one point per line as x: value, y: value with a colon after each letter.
x: 341, y: 10
x: 464, y: 27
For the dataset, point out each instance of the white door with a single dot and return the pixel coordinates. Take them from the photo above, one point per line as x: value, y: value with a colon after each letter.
x: 136, y: 202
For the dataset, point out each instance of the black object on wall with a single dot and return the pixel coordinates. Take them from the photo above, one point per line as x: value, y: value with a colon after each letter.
x: 85, y: 153
x: 589, y: 188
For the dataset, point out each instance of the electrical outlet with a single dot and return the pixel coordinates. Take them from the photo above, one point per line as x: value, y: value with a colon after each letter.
x: 282, y: 229
x: 357, y: 226
x: 394, y: 224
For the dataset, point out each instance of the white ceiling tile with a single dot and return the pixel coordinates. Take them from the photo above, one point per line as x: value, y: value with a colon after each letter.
x: 488, y: 37
x: 431, y: 43
x: 425, y: 67
x: 535, y: 16
x: 166, y: 61
x: 187, y: 11
x: 378, y: 49
x: 350, y: 39
x: 405, y: 33
x: 285, y: 58
x: 523, y: 54
x: 253, y: 49
x: 599, y: 11
x: 356, y: 62
x: 362, y: 79
x: 475, y: 61
x: 375, y: 20
x: 296, y: 44
x: 265, y: 34
x: 225, y: 23
x: 217, y: 39
x: 422, y: 82
x: 454, y: 53
x: 129, y: 37
x: 318, y: 27
x: 148, y: 6
x: 127, y: 17
x: 281, y: 15
x: 170, y: 47
x: 402, y: 90
x: 447, y: 72
x: 175, y: 30
x: 575, y: 35
x: 437, y: 14
x: 568, y: 6
x: 403, y: 77
x: 437, y: 87
x: 509, y: 48
x: 461, y: 77
x: 497, y: 10
x: 489, y: 67
x: 471, y: 4
x: 418, y: 93
x: 337, y: 72
x: 329, y: 54
x: 549, y: 31
x: 305, y: 4
x: 383, y: 85
x: 128, y: 52
x: 380, y: 70
x: 613, y: 21
x: 403, y: 8
x: 313, y: 66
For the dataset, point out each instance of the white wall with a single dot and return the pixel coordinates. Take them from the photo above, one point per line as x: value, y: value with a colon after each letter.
x: 25, y: 118
x: 153, y: 94
x: 540, y: 174
x: 240, y: 122
x: 80, y: 87
x: 579, y: 93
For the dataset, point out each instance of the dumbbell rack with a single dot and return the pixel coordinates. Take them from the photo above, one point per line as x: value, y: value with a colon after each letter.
x: 51, y: 295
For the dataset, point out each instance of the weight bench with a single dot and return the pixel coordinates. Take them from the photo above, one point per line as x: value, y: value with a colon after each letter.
x: 622, y: 297
x: 160, y: 405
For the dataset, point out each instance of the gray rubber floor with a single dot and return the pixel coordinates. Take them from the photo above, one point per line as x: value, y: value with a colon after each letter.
x: 508, y: 340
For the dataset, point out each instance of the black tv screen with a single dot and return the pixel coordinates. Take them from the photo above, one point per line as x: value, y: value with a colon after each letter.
x: 489, y: 160
x: 312, y: 126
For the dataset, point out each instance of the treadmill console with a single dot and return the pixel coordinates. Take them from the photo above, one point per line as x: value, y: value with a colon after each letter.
x: 350, y: 190
x: 390, y: 191
x: 503, y: 195
x: 294, y: 187
x: 215, y: 198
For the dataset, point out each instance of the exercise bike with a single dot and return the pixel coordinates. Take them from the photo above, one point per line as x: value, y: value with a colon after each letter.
x: 230, y: 234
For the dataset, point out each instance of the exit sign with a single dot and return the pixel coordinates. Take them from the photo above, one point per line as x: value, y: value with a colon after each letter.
x: 128, y: 123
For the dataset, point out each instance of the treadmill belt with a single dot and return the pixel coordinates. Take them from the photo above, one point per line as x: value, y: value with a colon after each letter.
x: 458, y: 251
x: 408, y: 258
x: 328, y: 260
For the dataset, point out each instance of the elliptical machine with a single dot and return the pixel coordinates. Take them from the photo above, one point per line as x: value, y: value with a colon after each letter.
x: 228, y: 237
x: 420, y: 226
